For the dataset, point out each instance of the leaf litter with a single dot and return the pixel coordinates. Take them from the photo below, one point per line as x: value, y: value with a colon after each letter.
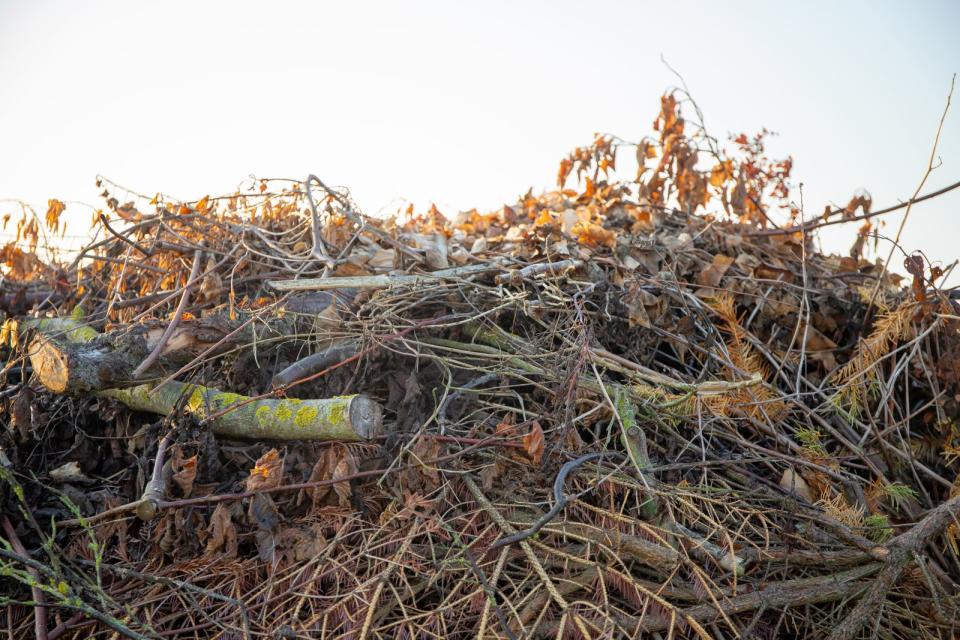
x: 628, y: 406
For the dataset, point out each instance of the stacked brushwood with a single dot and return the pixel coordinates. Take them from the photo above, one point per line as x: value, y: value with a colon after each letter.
x: 584, y: 415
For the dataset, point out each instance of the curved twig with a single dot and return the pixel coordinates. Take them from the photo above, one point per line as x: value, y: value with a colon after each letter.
x: 560, y: 499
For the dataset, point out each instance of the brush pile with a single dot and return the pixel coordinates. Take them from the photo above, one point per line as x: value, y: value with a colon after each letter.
x: 634, y: 408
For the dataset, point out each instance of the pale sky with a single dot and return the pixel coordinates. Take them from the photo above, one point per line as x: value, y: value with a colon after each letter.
x: 467, y: 104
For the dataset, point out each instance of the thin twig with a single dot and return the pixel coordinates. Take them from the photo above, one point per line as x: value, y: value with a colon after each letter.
x: 817, y: 224
x: 39, y: 600
x: 906, y: 214
x: 181, y: 307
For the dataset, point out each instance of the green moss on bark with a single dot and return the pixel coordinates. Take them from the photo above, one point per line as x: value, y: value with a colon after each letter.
x: 354, y: 417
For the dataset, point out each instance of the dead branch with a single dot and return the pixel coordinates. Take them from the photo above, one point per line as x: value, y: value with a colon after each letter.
x: 902, y: 551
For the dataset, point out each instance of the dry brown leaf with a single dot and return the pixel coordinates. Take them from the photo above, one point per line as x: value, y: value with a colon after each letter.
x: 344, y: 468
x: 55, y: 209
x: 594, y: 235
x: 768, y: 272
x: 185, y: 473
x: 721, y: 173
x: 299, y: 544
x: 505, y: 426
x: 69, y: 472
x: 323, y: 470
x: 820, y: 347
x: 793, y: 482
x: 267, y: 473
x: 223, y: 533
x: 713, y: 273
x: 533, y: 443
x: 22, y: 412
x: 489, y: 474
x: 427, y: 476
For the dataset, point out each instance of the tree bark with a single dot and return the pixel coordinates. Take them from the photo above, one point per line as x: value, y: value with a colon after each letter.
x: 71, y: 357
x: 354, y: 418
x: 903, y: 550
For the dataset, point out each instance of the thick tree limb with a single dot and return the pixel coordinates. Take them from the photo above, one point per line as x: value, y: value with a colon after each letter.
x: 903, y: 549
x: 355, y: 417
x: 71, y: 357
x: 384, y: 281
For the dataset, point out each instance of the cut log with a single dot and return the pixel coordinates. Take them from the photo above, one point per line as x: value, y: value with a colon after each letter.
x: 72, y: 367
x: 354, y: 418
x: 71, y: 357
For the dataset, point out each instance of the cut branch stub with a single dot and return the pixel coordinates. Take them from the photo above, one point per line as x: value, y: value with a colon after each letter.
x: 355, y: 417
x: 65, y: 366
x: 72, y: 357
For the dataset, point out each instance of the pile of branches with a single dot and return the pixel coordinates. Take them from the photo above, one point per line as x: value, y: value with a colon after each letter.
x: 600, y: 412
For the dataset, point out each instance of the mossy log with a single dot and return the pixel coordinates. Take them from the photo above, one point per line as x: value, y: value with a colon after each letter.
x: 71, y: 357
x: 355, y: 417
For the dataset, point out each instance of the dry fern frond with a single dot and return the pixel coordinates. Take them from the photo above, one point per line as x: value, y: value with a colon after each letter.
x: 742, y: 355
x: 758, y: 402
x: 840, y: 510
x: 859, y: 375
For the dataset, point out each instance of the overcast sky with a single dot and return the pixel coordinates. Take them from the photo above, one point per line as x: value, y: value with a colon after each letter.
x: 467, y: 104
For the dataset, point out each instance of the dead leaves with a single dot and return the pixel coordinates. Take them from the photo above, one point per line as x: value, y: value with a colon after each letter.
x: 262, y: 510
x: 55, y: 209
x: 267, y: 473
x: 713, y: 273
x: 222, y: 533
x: 335, y: 463
x: 593, y: 235
x: 914, y: 266
x: 721, y: 173
x: 21, y: 413
x: 533, y: 443
x: 566, y: 166
x: 425, y: 477
x: 344, y: 469
x: 20, y: 265
x: 184, y: 472
x: 203, y: 205
x: 861, y: 201
x: 601, y: 156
